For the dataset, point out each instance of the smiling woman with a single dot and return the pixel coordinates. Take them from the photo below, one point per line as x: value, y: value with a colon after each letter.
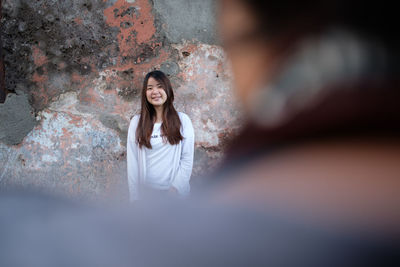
x: 160, y: 141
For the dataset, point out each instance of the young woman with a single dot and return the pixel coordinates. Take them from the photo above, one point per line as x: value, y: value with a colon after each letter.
x: 160, y: 141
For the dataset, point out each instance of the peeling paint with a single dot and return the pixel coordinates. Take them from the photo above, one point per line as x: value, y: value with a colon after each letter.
x: 220, y: 112
x: 140, y: 21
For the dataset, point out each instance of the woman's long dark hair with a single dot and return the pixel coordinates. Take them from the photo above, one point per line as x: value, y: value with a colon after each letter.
x: 171, y: 124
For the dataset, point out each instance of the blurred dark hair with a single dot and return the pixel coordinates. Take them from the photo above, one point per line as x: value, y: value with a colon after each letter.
x: 375, y: 19
x: 171, y: 124
x: 367, y: 107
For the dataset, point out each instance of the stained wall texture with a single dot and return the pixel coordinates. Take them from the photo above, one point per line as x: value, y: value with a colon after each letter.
x: 2, y: 76
x: 74, y: 71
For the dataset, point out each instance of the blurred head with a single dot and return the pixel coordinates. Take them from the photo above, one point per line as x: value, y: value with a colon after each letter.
x: 259, y: 36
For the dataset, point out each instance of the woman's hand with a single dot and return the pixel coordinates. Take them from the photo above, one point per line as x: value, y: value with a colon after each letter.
x: 173, y: 190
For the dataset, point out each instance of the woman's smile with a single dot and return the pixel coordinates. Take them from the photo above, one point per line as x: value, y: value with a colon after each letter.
x: 155, y: 92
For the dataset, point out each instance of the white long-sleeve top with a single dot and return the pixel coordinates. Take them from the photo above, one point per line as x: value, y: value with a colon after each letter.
x: 164, y: 165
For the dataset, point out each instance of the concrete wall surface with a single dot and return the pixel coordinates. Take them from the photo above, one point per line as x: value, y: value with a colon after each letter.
x: 74, y: 70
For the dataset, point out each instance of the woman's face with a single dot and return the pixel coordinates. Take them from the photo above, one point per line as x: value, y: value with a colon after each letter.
x: 155, y: 92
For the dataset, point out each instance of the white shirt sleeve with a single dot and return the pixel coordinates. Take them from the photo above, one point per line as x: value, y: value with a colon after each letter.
x: 182, y: 177
x: 132, y: 160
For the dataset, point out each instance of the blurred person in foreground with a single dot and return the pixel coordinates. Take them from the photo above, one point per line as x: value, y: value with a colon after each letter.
x: 319, y: 83
x: 312, y: 180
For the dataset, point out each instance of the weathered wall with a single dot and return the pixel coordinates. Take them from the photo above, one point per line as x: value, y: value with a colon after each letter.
x: 2, y: 76
x: 75, y: 70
